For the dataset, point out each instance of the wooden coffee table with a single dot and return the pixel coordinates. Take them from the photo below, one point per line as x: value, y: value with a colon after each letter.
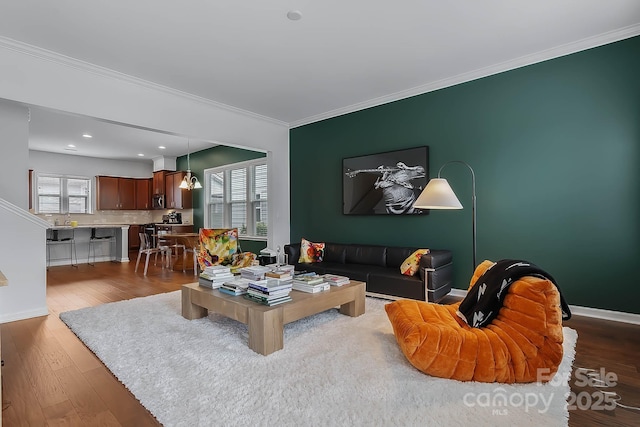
x: 266, y: 324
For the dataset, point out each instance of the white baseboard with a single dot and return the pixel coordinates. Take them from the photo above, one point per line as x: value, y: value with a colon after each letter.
x: 12, y: 317
x: 596, y: 313
x: 106, y: 258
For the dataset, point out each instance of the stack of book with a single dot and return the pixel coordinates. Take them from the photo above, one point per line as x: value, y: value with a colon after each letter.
x: 336, y: 280
x: 254, y: 272
x: 214, y: 276
x: 278, y: 274
x: 269, y: 291
x: 310, y: 284
x: 236, y: 286
x: 281, y: 267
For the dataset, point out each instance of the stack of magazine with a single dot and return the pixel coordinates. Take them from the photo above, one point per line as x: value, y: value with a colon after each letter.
x: 310, y: 283
x: 255, y: 272
x: 214, y: 276
x: 235, y: 286
x: 336, y: 280
x: 270, y: 291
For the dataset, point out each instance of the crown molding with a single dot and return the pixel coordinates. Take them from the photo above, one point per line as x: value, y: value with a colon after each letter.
x: 68, y: 61
x: 558, y: 51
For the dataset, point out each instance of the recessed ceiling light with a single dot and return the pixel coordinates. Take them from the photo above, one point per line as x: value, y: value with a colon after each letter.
x: 86, y: 135
x: 71, y: 146
x: 294, y: 15
x: 162, y: 147
x: 140, y: 155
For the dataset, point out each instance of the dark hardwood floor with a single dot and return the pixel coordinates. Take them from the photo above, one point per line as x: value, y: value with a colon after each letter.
x: 50, y: 377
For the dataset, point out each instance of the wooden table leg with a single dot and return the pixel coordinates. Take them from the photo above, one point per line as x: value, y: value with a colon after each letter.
x: 354, y: 308
x: 266, y: 331
x: 190, y: 310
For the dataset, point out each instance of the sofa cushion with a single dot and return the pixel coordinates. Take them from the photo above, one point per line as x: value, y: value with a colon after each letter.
x: 366, y: 254
x: 310, y: 251
x: 389, y: 281
x: 335, y: 252
x: 352, y: 271
x: 410, y: 265
x: 397, y: 255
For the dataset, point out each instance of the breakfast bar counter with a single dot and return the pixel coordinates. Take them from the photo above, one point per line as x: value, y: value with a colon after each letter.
x: 70, y: 245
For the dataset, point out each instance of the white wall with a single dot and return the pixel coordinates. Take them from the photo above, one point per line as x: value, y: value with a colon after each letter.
x: 22, y: 256
x: 41, y: 161
x: 23, y: 262
x: 14, y: 136
x: 35, y: 77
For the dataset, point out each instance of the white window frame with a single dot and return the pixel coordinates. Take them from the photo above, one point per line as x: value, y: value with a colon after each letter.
x: 250, y: 200
x: 64, y: 193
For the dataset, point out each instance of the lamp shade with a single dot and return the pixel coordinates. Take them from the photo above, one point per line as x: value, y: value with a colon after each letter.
x: 438, y: 194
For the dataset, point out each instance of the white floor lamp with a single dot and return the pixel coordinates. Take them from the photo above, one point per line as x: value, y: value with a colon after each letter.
x: 438, y: 194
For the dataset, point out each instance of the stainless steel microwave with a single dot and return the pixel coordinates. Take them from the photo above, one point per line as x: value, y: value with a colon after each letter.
x: 158, y: 201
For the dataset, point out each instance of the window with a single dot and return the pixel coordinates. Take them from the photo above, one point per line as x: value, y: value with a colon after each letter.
x: 61, y: 194
x: 236, y: 197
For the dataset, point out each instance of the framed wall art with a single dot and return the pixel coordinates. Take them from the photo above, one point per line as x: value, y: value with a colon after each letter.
x: 385, y: 183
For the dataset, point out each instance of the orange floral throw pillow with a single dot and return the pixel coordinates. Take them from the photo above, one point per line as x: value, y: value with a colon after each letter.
x: 311, y: 252
x: 410, y: 265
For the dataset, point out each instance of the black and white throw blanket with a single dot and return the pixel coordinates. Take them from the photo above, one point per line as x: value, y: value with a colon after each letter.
x: 484, y: 300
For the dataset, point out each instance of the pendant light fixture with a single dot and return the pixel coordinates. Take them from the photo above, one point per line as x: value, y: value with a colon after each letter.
x: 189, y: 182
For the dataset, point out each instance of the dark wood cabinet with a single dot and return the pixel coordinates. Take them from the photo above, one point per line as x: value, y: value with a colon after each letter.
x: 175, y: 228
x: 107, y: 193
x: 134, y: 238
x: 159, y: 182
x: 114, y: 193
x: 174, y: 196
x: 127, y: 193
x: 143, y: 193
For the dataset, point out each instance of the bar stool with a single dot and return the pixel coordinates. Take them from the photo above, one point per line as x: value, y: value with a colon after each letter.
x: 98, y: 239
x: 55, y: 239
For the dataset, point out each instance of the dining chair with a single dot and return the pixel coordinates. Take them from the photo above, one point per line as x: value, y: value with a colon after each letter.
x: 170, y: 244
x: 193, y: 250
x: 148, y: 249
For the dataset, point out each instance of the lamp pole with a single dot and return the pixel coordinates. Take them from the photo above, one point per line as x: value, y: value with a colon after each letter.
x: 473, y: 206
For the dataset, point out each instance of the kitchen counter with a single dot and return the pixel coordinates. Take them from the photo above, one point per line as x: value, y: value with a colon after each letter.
x: 64, y: 240
x: 68, y: 227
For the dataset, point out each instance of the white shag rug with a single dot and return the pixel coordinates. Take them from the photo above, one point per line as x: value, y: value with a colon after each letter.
x: 334, y: 370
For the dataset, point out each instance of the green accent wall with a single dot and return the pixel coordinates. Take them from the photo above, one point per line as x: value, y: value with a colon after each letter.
x: 210, y: 158
x: 555, y: 147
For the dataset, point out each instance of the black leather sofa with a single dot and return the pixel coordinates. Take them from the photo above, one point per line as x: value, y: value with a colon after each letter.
x: 379, y: 267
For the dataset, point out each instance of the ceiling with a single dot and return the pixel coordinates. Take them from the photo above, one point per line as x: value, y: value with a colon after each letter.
x: 340, y: 57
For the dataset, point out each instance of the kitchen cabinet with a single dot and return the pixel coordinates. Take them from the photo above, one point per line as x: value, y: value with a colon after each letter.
x: 174, y: 196
x: 175, y: 228
x: 114, y: 193
x: 143, y: 193
x: 134, y: 238
x: 159, y: 182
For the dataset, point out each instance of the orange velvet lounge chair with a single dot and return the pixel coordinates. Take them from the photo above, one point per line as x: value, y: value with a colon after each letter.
x: 522, y: 344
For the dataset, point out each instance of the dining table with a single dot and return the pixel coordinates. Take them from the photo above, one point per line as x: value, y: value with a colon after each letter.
x: 191, y: 243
